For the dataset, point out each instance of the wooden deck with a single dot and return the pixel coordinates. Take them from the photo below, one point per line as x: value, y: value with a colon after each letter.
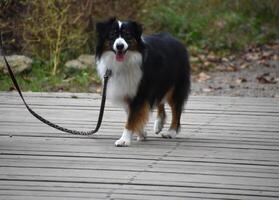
x: 228, y: 149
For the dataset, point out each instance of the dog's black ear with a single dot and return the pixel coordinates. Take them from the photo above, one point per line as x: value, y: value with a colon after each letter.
x: 137, y: 28
x: 102, y: 26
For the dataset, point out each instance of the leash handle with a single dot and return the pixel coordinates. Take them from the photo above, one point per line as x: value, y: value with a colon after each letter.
x: 47, y: 122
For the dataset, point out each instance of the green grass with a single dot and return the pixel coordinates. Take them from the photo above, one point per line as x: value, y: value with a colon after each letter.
x: 216, y: 25
x: 40, y: 79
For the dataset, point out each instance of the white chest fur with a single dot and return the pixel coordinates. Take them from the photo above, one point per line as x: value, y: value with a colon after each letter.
x: 126, y: 75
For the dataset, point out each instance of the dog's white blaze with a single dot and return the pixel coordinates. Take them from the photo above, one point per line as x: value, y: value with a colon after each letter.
x: 126, y: 75
x: 120, y: 40
x: 119, y: 24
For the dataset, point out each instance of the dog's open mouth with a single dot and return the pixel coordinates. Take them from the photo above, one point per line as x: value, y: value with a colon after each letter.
x: 120, y: 55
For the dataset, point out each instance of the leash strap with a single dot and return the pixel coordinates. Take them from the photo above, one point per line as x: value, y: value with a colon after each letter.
x: 53, y: 125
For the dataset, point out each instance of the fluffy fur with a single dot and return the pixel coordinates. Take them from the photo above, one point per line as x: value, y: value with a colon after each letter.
x: 125, y: 79
x: 147, y: 71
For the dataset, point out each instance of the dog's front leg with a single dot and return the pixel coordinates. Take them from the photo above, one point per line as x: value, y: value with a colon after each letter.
x: 125, y: 139
x: 137, y: 118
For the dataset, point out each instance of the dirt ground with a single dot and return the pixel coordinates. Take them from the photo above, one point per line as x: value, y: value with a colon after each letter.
x: 254, y: 73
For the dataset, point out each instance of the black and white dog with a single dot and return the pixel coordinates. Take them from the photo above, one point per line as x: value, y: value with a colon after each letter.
x: 147, y: 71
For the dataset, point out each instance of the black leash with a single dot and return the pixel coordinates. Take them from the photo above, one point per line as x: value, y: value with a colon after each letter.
x: 75, y: 132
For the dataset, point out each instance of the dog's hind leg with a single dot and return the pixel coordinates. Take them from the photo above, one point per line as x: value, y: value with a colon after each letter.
x: 160, y: 120
x: 176, y: 102
x: 141, y: 135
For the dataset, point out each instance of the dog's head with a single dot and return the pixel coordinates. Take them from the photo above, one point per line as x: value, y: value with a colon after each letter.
x: 118, y: 37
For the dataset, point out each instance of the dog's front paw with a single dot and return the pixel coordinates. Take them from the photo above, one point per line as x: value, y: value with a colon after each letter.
x: 170, y: 134
x: 158, y: 125
x: 125, y: 139
x: 122, y: 143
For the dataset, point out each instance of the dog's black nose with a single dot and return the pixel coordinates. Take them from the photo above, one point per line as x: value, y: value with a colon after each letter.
x: 119, y: 46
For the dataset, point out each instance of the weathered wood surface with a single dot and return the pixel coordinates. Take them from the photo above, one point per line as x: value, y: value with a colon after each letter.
x: 228, y: 149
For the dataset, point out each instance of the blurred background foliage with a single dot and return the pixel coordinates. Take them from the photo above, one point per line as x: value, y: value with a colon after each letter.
x: 54, y: 31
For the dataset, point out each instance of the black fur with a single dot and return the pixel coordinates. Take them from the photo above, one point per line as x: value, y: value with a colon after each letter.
x: 165, y: 66
x: 105, y: 31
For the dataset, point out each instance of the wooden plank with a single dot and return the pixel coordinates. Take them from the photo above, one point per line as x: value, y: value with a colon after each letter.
x: 166, y: 167
x: 74, y: 114
x: 228, y: 149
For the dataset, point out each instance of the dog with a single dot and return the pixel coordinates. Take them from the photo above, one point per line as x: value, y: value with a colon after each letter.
x: 147, y: 72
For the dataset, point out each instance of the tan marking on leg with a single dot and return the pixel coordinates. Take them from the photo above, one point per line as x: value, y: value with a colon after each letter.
x: 136, y: 122
x: 161, y: 113
x: 174, y: 120
x: 160, y: 120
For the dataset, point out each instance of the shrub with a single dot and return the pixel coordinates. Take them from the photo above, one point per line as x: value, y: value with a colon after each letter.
x: 216, y: 24
x: 57, y: 30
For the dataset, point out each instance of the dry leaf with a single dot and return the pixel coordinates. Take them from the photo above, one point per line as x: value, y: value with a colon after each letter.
x: 275, y: 57
x: 240, y: 80
x: 218, y: 88
x: 225, y: 60
x: 252, y: 56
x: 213, y: 58
x: 206, y: 63
x: 232, y: 57
x: 231, y: 68
x: 266, y: 79
x: 207, y: 89
x: 201, y: 57
x: 98, y: 89
x: 194, y: 59
x: 220, y: 67
x: 263, y: 62
x: 202, y: 77
x: 266, y: 55
x: 263, y: 80
x: 244, y: 66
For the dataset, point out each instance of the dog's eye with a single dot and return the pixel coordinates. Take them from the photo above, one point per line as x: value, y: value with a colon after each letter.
x: 113, y: 33
x: 126, y: 34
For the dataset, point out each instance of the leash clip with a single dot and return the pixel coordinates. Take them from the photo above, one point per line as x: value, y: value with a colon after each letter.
x: 108, y: 74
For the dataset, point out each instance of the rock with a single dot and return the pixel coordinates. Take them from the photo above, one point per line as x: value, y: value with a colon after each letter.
x: 83, y: 62
x: 19, y: 63
x: 75, y: 65
x: 88, y: 60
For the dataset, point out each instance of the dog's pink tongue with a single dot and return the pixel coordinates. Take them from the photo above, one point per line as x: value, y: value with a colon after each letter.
x: 120, y: 57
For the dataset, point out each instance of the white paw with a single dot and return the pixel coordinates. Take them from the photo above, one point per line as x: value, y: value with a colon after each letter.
x: 125, y: 139
x: 142, y: 136
x: 170, y: 134
x: 158, y: 125
x: 122, y: 143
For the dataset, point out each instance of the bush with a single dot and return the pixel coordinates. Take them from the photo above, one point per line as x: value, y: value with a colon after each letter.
x: 216, y: 24
x: 57, y: 30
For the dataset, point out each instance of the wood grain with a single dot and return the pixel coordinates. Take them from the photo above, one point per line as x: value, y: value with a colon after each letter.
x: 228, y: 149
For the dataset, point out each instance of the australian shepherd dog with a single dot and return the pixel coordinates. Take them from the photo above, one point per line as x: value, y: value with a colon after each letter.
x: 147, y: 72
